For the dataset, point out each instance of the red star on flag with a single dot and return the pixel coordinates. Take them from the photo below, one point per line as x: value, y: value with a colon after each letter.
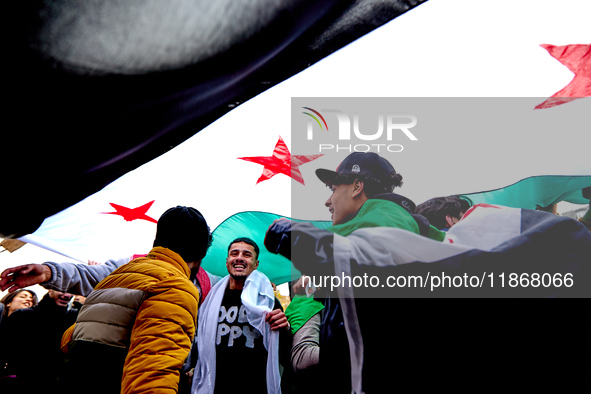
x: 130, y: 214
x: 578, y: 59
x: 282, y: 162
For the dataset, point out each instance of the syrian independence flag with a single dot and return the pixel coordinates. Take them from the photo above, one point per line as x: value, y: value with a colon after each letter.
x: 492, y: 252
x: 537, y: 192
x: 208, y: 172
x: 245, y: 161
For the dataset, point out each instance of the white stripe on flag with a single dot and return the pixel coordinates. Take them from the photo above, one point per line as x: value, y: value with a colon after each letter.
x: 442, y: 48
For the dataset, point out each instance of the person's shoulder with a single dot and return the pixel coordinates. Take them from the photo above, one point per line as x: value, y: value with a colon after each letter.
x: 406, y: 203
x: 152, y: 268
x: 21, y: 316
x: 180, y: 282
x: 213, y: 279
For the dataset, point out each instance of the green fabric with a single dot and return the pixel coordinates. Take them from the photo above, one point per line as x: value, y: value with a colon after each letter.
x: 537, y: 192
x: 435, y: 234
x: 300, y: 310
x: 378, y: 213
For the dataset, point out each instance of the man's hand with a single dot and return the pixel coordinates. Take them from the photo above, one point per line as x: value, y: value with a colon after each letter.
x: 277, y: 237
x: 276, y: 318
x: 23, y: 276
x: 300, y: 286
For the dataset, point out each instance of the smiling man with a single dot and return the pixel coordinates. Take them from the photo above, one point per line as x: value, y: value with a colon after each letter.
x: 241, y: 325
x: 60, y: 298
x: 241, y: 261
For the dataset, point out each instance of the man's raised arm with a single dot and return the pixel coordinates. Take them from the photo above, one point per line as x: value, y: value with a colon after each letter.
x: 67, y: 277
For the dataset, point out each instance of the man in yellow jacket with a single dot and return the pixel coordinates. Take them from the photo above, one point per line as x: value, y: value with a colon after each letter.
x: 135, y: 329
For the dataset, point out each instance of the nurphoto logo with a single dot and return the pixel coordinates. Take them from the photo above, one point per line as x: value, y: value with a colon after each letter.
x: 389, y: 126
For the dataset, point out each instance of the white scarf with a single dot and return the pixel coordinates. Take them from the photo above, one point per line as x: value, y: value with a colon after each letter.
x: 258, y: 300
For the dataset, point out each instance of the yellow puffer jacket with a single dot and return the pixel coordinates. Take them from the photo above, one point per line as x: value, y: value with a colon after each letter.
x: 148, y: 306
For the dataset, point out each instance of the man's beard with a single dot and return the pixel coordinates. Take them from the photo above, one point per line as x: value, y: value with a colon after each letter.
x: 239, y: 277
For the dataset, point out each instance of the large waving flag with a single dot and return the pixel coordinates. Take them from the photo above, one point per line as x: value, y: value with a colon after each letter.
x: 493, y: 251
x: 108, y: 86
x: 248, y: 159
x: 538, y: 192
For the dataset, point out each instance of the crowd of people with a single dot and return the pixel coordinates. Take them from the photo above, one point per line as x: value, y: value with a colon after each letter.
x: 160, y: 323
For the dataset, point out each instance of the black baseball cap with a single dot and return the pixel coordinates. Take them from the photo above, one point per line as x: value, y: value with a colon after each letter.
x: 369, y: 165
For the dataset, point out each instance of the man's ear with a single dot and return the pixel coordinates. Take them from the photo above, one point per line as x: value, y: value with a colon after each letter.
x: 194, y: 264
x: 450, y: 221
x: 256, y: 264
x: 357, y: 187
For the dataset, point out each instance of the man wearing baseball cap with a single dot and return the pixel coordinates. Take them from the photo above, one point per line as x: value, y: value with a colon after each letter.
x: 360, y: 186
x: 362, y: 197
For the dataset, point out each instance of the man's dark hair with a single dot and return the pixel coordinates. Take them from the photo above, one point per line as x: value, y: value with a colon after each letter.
x: 371, y: 186
x: 246, y: 241
x: 436, y: 209
x: 184, y: 231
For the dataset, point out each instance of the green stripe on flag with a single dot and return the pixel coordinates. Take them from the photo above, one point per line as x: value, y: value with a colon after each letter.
x: 537, y: 191
x: 529, y: 193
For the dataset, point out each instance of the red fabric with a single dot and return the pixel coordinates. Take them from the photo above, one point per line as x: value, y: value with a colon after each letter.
x: 204, y: 282
x: 472, y: 208
x: 282, y: 162
x: 578, y: 59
